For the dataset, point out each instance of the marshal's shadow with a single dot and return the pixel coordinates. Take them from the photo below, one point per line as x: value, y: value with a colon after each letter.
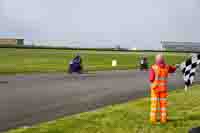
x: 175, y: 119
x: 3, y: 82
x: 187, y: 118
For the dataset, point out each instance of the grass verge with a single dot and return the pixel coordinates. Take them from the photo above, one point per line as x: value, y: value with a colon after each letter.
x: 131, y: 117
x: 49, y: 60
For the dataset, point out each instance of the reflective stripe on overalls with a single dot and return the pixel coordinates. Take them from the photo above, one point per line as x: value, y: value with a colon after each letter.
x: 159, y: 94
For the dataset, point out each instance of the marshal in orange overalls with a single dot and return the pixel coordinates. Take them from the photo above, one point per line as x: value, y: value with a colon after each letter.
x: 159, y: 92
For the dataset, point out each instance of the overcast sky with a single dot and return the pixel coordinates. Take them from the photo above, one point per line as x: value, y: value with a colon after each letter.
x: 131, y: 23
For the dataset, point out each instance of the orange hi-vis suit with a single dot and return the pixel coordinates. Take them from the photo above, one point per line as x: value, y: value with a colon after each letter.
x: 159, y: 92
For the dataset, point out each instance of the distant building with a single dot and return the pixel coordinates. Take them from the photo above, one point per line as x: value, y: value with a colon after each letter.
x: 133, y: 49
x: 11, y: 41
x: 181, y: 46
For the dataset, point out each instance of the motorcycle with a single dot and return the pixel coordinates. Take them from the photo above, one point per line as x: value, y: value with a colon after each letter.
x: 75, y: 68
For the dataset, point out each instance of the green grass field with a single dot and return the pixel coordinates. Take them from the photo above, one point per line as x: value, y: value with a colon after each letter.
x: 44, y: 60
x: 132, y: 117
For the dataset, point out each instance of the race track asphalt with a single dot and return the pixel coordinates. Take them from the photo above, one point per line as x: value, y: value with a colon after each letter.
x: 30, y: 99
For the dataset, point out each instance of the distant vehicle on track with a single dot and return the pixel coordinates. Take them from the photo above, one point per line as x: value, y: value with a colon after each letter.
x: 75, y: 65
x: 144, y: 64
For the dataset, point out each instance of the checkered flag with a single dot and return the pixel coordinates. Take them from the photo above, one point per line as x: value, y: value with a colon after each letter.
x: 189, y: 68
